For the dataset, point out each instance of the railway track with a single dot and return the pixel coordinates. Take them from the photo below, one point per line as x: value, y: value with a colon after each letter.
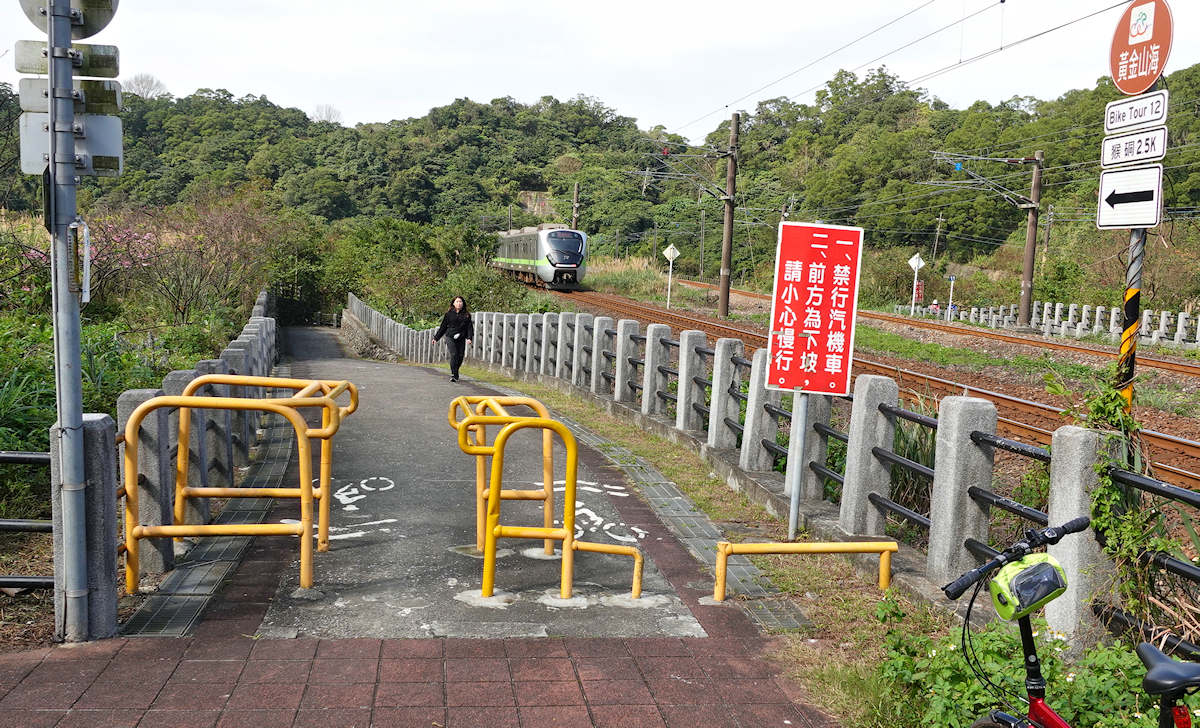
x: 1037, y: 341
x: 1019, y: 419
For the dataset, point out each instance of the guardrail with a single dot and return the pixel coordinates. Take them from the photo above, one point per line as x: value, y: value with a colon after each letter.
x: 25, y: 525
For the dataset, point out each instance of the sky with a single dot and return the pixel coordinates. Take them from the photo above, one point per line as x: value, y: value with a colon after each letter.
x: 685, y: 65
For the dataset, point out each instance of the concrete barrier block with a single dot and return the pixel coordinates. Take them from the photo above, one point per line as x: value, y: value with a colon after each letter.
x: 627, y: 348
x: 759, y: 424
x: 602, y: 342
x: 691, y: 366
x: 726, y: 376
x: 196, y: 448
x: 156, y: 478
x: 959, y: 463
x: 581, y: 359
x: 655, y: 354
x: 219, y: 440
x: 865, y: 473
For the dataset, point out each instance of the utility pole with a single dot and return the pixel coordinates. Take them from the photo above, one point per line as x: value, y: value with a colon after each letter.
x: 702, y: 243
x: 1035, y: 195
x: 509, y: 217
x: 937, y: 236
x: 575, y: 208
x: 727, y: 234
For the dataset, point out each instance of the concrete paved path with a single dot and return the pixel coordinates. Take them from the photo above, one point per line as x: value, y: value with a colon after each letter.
x: 390, y: 637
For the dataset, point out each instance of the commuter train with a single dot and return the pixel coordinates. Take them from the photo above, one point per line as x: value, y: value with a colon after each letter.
x: 549, y: 255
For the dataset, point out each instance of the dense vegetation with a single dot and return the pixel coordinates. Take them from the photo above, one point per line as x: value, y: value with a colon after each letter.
x: 862, y: 153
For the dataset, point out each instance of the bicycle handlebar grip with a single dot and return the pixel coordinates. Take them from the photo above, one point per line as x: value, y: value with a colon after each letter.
x: 955, y: 589
x: 1075, y: 525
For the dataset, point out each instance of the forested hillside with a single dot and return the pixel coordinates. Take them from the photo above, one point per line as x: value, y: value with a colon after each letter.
x: 863, y: 153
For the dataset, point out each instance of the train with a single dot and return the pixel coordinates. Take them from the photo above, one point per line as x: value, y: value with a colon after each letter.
x: 548, y: 255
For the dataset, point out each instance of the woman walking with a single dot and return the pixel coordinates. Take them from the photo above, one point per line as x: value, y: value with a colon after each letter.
x: 459, y: 329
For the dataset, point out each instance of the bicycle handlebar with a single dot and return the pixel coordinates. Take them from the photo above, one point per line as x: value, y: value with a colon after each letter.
x: 1034, y: 538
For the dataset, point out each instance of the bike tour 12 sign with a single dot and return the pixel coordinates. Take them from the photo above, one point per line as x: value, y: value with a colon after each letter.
x: 811, y: 344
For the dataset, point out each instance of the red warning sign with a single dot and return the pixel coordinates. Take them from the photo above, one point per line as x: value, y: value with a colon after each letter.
x: 811, y: 346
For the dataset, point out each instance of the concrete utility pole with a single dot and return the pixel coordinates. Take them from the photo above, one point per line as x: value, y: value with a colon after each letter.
x: 937, y: 236
x: 701, y: 243
x: 1025, y: 310
x: 727, y: 235
x: 575, y: 208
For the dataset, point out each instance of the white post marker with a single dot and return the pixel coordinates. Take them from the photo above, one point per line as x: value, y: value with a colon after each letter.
x: 670, y: 253
x: 916, y: 264
x: 950, y: 301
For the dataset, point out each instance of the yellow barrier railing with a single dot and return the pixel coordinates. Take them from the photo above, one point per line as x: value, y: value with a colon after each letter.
x: 306, y: 396
x: 493, y: 530
x: 497, y: 405
x: 885, y: 549
x: 289, y: 409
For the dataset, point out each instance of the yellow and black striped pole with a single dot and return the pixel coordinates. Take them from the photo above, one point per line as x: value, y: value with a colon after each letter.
x: 1132, y: 316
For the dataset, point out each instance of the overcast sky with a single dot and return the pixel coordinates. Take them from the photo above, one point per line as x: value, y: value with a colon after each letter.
x: 665, y: 62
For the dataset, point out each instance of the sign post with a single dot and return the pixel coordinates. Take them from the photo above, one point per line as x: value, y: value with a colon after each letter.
x: 670, y: 253
x: 916, y: 264
x: 950, y: 301
x: 49, y: 139
x: 1131, y: 197
x: 813, y: 307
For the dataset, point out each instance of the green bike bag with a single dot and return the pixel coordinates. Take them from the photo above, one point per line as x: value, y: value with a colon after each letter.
x: 1026, y: 584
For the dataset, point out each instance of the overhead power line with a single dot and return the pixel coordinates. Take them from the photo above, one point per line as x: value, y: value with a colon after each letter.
x: 805, y: 67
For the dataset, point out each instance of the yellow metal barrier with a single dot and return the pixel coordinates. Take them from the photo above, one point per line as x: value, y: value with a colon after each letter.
x: 493, y: 530
x: 885, y: 549
x: 497, y: 405
x: 309, y: 393
x: 135, y: 531
x: 289, y: 409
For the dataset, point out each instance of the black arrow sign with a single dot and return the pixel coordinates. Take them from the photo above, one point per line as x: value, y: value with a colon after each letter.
x: 1115, y: 199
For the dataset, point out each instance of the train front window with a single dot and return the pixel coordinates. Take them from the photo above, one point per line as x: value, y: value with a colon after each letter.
x: 566, y: 240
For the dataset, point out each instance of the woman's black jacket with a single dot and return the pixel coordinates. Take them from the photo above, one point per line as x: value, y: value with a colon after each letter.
x: 458, y: 326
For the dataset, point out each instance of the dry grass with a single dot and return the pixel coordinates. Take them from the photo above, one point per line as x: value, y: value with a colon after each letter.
x: 26, y: 618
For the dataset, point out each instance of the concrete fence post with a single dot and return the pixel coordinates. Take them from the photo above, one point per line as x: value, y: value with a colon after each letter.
x: 156, y: 478
x: 722, y: 405
x: 549, y: 343
x: 655, y: 355
x: 581, y: 359
x: 1077, y: 451
x: 494, y: 339
x: 816, y: 445
x: 509, y: 342
x: 101, y: 468
x: 959, y: 464
x: 533, y: 345
x: 562, y: 345
x: 1181, y: 328
x: 240, y: 429
x: 601, y: 342
x: 624, y: 369
x: 197, y: 509
x: 219, y: 440
x: 759, y: 425
x: 521, y: 345
x: 865, y: 473
x: 690, y: 393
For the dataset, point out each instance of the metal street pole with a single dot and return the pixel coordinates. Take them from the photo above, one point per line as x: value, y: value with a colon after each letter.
x: 950, y: 301
x: 68, y: 382
x: 912, y: 307
x: 1025, y: 310
x: 727, y: 234
x: 1126, y: 363
x: 701, y: 243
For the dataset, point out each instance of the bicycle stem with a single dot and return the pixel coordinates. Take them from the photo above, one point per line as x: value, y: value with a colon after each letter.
x: 1035, y: 684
